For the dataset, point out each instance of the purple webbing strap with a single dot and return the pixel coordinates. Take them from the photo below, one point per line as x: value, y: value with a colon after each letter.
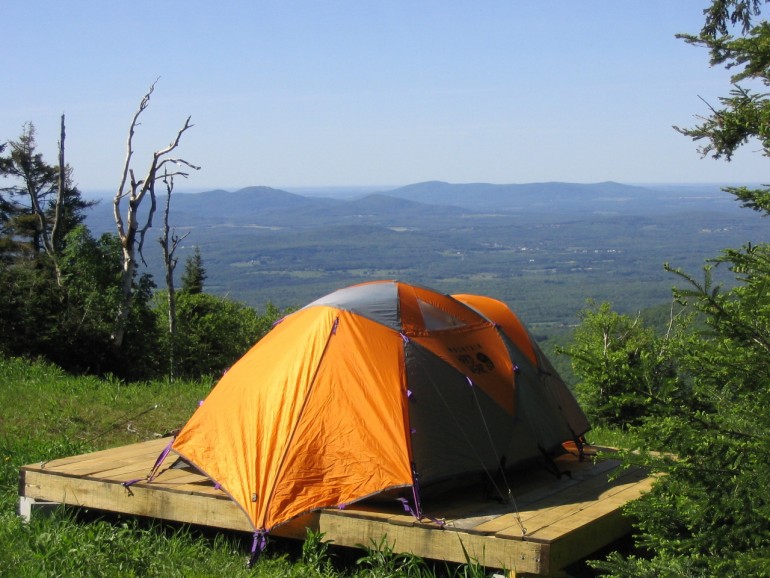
x: 407, y: 507
x: 154, y: 471
x: 416, y: 498
x: 257, y: 547
x: 417, y: 510
x: 160, y: 460
x: 409, y: 510
x: 418, y: 505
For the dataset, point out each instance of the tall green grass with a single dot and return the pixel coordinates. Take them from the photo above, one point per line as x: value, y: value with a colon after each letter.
x: 45, y: 414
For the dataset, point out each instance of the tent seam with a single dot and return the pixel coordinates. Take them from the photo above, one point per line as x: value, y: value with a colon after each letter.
x: 301, y: 412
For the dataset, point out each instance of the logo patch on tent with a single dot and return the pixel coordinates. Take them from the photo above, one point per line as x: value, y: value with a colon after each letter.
x: 479, y: 363
x: 473, y: 357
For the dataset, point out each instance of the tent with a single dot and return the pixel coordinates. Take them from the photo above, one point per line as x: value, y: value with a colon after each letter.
x: 377, y: 387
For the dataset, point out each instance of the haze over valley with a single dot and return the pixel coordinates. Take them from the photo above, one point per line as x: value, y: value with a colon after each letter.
x: 544, y: 248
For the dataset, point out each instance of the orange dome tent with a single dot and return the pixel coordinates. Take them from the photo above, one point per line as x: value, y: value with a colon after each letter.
x: 372, y: 388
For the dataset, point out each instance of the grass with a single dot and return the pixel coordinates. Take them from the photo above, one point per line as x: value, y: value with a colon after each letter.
x: 609, y: 437
x: 46, y: 413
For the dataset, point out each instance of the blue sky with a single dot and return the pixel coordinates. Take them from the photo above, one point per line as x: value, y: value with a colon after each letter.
x: 291, y: 93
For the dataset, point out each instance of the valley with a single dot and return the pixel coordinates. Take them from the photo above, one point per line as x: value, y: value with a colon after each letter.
x: 545, y: 249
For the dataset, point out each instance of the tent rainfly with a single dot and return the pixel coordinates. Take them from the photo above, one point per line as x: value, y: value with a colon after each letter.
x: 378, y: 387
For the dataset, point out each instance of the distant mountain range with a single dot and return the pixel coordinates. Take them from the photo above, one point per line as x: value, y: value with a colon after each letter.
x: 429, y: 204
x: 267, y: 207
x: 566, y: 199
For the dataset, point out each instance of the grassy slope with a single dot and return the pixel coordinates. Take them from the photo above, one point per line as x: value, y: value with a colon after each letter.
x: 45, y: 413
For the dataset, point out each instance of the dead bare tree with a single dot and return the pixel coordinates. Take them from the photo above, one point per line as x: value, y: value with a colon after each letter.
x: 51, y: 246
x: 49, y: 239
x: 169, y: 241
x: 132, y: 228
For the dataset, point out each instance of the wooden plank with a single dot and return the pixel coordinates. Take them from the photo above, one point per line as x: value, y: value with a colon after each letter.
x: 597, y: 474
x: 459, y: 510
x: 195, y: 488
x: 546, y: 517
x: 339, y: 527
x: 364, y: 512
x: 465, y: 503
x: 589, y: 538
x: 88, y: 467
x: 524, y: 557
x: 140, y: 500
x: 604, y: 523
x: 179, y: 476
x: 510, y: 524
x: 121, y: 471
x: 537, y: 519
x: 131, y: 451
x: 461, y: 504
x: 469, y: 523
x: 594, y: 511
x: 538, y: 514
x: 119, y: 464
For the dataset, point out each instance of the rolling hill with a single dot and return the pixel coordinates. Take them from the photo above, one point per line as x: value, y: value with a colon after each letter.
x: 543, y: 248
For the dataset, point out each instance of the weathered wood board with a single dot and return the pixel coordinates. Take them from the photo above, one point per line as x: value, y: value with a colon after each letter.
x: 550, y: 522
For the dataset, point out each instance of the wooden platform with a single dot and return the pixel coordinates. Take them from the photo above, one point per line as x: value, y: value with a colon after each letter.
x: 553, y: 523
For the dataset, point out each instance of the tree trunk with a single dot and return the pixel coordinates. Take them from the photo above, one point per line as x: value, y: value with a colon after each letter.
x: 169, y: 241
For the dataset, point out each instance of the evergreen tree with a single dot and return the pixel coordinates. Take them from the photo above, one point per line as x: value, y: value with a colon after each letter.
x: 194, y: 274
x: 737, y: 43
x: 39, y: 315
x: 34, y: 217
x: 33, y: 184
x: 706, y: 424
x: 622, y: 363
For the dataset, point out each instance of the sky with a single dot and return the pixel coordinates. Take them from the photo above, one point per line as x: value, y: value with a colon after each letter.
x: 346, y: 93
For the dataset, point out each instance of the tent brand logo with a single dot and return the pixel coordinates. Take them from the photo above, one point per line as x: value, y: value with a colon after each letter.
x: 473, y: 358
x: 478, y: 364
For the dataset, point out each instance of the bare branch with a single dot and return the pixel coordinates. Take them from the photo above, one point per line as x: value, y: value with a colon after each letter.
x: 175, y: 142
x: 148, y: 223
x: 178, y: 162
x: 127, y: 170
x: 62, y: 182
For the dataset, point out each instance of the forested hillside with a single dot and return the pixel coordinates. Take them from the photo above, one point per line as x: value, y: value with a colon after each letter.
x: 543, y: 248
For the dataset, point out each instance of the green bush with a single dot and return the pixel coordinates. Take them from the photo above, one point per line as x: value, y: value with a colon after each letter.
x: 703, y: 421
x: 621, y: 365
x: 212, y: 333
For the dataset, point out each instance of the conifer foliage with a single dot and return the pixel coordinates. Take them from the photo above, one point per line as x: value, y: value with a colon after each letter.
x: 694, y: 396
